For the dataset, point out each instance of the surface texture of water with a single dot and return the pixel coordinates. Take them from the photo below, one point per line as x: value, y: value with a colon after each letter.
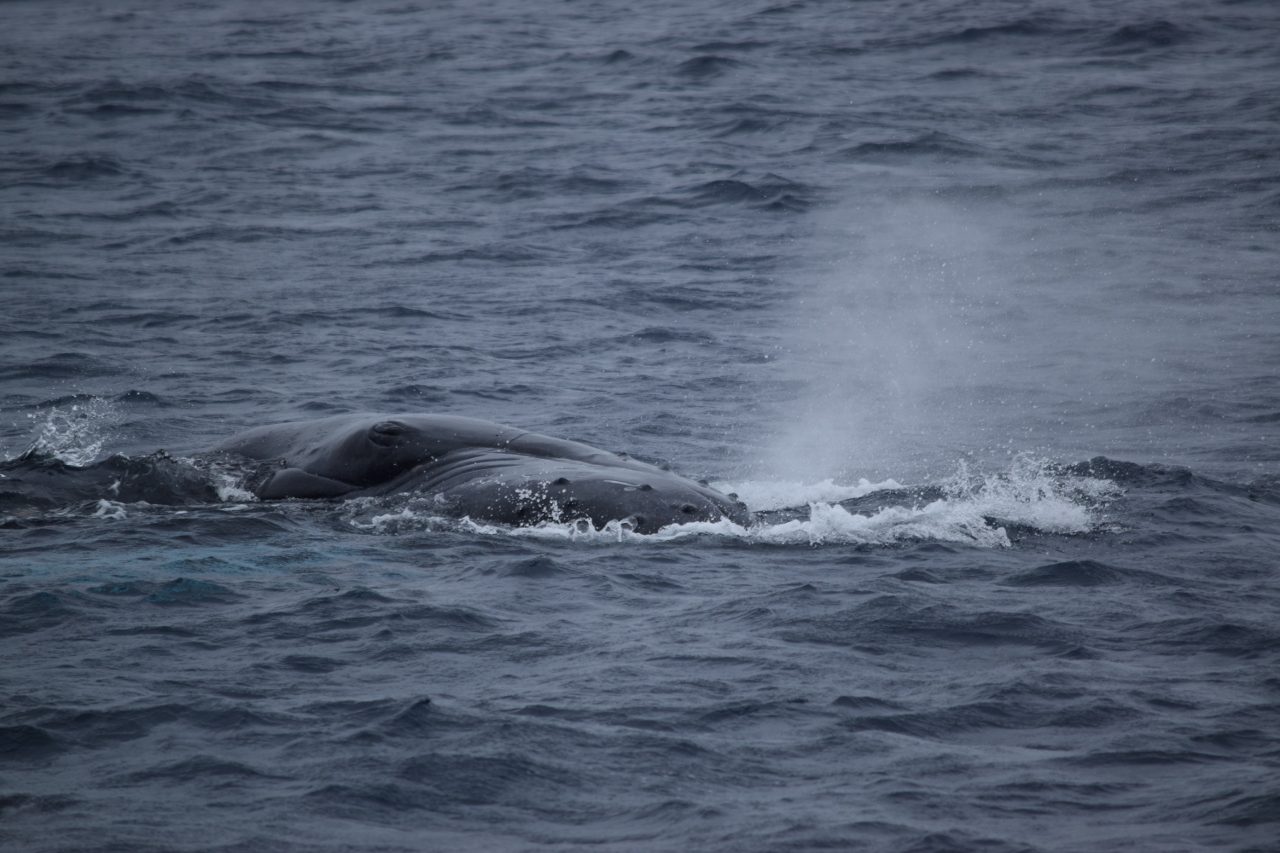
x: 973, y: 303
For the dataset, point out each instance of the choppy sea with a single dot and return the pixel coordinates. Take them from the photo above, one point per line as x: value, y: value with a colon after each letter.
x: 975, y: 304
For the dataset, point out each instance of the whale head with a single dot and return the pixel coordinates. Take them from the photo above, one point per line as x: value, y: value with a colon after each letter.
x: 563, y: 491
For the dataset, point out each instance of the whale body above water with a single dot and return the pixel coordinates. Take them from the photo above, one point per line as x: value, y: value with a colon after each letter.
x: 475, y: 468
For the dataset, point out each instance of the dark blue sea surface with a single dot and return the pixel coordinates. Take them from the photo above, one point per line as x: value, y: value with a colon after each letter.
x: 975, y: 304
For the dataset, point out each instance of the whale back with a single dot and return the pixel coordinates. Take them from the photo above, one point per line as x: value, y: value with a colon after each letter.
x: 365, y: 450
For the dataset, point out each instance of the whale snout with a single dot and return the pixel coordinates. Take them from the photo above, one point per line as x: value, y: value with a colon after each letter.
x: 645, y: 502
x: 664, y: 510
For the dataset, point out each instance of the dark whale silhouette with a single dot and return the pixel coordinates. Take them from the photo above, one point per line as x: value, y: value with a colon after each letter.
x: 475, y: 468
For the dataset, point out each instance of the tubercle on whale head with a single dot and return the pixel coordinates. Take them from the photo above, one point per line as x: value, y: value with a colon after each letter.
x: 689, y: 508
x: 614, y: 497
x: 386, y: 432
x: 688, y: 514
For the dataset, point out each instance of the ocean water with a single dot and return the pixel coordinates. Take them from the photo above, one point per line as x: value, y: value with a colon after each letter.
x: 974, y: 304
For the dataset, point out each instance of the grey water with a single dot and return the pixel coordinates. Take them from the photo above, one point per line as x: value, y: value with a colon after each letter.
x: 974, y: 304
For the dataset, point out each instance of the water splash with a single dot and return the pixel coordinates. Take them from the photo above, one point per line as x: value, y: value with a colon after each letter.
x: 76, y: 434
x: 227, y: 479
x: 973, y: 509
x: 1033, y: 493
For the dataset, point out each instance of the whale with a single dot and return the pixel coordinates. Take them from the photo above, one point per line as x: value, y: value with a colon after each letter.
x: 476, y: 469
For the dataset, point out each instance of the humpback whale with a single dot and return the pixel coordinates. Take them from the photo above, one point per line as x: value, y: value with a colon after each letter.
x: 475, y: 468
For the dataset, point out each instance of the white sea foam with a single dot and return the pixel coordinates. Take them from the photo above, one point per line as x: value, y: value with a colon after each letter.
x: 394, y: 522
x: 375, y: 516
x: 827, y: 524
x: 972, y: 508
x: 110, y: 509
x: 231, y: 493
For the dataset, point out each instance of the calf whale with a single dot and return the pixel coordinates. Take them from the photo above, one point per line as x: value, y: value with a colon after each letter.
x: 475, y: 468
